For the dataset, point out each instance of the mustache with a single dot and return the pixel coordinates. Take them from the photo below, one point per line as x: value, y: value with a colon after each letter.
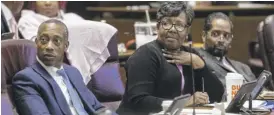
x: 172, y: 35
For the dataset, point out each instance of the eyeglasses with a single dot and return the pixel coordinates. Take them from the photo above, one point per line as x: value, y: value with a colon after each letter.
x: 168, y: 25
x: 217, y: 34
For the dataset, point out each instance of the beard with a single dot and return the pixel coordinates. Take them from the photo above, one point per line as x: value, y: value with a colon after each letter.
x: 217, y: 52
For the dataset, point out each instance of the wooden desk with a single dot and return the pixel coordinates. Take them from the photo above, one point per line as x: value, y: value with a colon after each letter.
x: 198, y: 8
x: 126, y: 54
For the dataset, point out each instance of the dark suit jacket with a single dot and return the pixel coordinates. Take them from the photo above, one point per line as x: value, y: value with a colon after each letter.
x: 35, y: 92
x: 216, y: 71
x: 151, y: 80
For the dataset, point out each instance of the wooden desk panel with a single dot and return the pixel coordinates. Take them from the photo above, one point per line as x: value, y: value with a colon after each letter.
x: 197, y: 8
x: 244, y: 32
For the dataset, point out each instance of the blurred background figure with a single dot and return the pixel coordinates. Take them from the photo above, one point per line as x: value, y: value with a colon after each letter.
x: 39, y: 12
x: 9, y: 9
x: 85, y: 56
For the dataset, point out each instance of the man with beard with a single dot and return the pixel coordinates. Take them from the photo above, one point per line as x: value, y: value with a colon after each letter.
x: 217, y: 37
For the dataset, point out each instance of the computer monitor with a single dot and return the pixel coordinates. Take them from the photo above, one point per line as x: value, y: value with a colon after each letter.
x: 177, y: 105
x: 241, y: 96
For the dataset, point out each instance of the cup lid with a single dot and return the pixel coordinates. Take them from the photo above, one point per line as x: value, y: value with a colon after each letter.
x: 234, y: 76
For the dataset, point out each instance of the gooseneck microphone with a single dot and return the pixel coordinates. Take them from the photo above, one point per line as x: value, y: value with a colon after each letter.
x: 192, y: 73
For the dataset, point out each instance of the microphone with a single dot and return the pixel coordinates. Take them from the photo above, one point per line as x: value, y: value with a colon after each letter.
x: 192, y: 72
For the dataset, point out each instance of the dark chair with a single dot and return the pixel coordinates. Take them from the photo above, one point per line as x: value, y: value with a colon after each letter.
x: 16, y: 55
x: 258, y: 60
x: 254, y: 62
x: 262, y: 49
x: 268, y: 35
x: 265, y: 36
x: 106, y: 83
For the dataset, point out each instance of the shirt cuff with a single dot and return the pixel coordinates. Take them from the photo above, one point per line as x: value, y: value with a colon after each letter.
x: 165, y: 104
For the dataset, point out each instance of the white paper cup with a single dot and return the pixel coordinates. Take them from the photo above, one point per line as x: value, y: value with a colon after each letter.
x: 233, y: 83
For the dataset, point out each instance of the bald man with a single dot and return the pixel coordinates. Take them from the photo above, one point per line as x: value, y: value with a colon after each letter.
x: 50, y: 87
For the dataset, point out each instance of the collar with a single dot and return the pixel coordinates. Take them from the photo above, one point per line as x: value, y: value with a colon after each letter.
x: 50, y: 69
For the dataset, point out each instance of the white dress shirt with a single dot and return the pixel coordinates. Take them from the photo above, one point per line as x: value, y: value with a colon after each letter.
x: 60, y: 82
x: 12, y: 24
x: 227, y: 64
x: 87, y: 50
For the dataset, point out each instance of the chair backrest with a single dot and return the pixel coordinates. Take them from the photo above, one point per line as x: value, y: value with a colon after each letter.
x: 6, y: 106
x: 106, y: 82
x: 262, y: 48
x: 113, y: 49
x: 268, y: 34
x: 16, y: 55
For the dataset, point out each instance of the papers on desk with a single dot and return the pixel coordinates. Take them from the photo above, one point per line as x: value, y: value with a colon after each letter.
x: 255, y: 104
x: 252, y: 5
x: 198, y: 111
x: 217, y: 108
x: 267, y: 95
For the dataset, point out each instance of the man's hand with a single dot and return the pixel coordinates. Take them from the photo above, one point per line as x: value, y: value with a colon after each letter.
x: 200, y: 98
x: 183, y: 58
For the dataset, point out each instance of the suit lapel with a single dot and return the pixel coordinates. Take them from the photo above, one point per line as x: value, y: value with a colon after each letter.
x: 238, y: 68
x: 59, y: 97
x: 215, y: 61
x: 80, y: 88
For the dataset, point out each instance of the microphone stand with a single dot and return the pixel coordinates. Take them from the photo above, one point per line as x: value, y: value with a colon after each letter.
x: 193, y: 80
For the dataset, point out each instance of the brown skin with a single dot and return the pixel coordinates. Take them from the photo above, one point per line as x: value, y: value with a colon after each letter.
x: 51, y: 44
x: 47, y: 8
x: 219, y: 37
x: 173, y: 40
x: 14, y: 6
x: 200, y: 98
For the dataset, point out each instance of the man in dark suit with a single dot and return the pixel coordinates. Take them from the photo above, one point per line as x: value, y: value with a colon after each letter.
x: 50, y: 87
x: 217, y: 36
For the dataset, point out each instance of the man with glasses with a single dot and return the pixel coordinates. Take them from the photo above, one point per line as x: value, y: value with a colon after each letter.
x: 217, y: 37
x: 160, y: 70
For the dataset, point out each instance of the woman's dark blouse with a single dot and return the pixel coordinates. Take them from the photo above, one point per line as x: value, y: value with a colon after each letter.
x: 151, y: 80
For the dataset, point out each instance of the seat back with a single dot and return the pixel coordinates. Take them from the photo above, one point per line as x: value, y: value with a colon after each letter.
x: 261, y: 42
x: 16, y: 55
x: 268, y: 34
x: 106, y: 82
x: 6, y: 105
